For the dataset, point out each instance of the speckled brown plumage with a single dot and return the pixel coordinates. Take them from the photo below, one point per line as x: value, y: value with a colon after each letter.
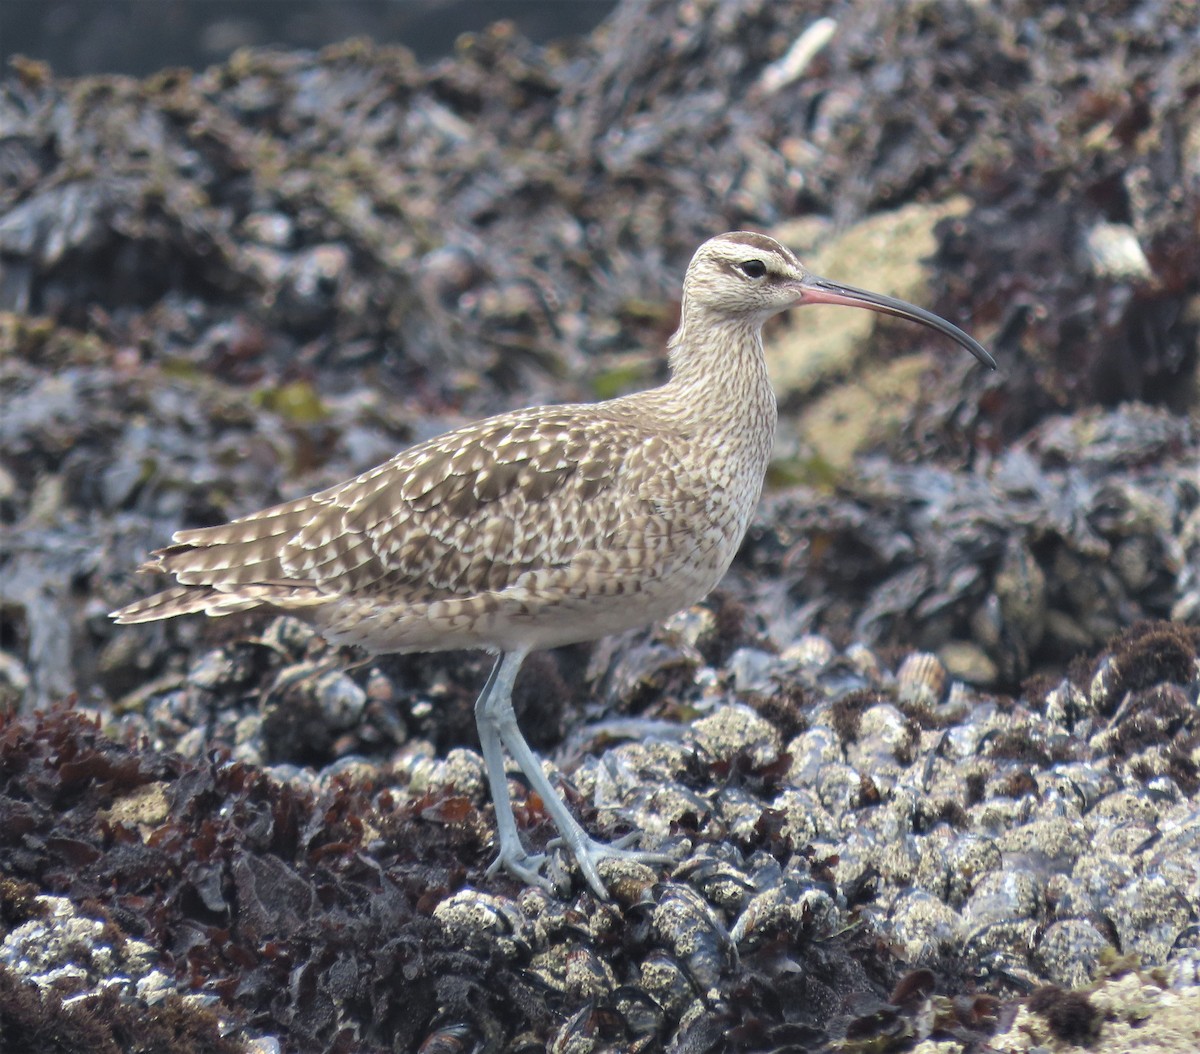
x: 540, y: 527
x: 471, y: 539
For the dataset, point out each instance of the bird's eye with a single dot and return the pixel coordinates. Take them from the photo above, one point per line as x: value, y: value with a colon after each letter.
x: 753, y: 268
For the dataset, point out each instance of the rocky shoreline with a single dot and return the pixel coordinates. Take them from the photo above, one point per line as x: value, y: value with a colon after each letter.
x: 929, y: 760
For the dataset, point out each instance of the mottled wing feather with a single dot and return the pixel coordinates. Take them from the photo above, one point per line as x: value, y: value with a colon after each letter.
x: 465, y: 513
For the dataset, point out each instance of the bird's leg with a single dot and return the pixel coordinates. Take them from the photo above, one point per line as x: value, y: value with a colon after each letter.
x: 494, y: 710
x: 513, y: 855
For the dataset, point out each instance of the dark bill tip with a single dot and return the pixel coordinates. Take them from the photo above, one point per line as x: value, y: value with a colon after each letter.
x: 822, y: 291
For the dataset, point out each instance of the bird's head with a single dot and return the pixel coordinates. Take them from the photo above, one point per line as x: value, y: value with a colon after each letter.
x: 750, y: 276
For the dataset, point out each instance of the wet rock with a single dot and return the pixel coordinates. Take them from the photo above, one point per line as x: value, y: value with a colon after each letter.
x: 733, y: 732
x: 1072, y: 951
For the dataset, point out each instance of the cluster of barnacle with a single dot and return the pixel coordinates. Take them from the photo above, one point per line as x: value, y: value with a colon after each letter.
x: 75, y: 982
x: 1017, y: 842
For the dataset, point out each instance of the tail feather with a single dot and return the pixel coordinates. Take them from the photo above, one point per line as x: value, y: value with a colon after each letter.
x: 181, y: 600
x: 241, y: 552
x: 188, y: 600
x: 231, y: 567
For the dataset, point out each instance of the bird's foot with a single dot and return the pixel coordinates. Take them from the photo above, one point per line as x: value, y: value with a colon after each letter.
x: 522, y: 864
x: 588, y: 853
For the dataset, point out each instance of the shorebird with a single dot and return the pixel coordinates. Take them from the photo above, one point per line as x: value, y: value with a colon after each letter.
x: 537, y: 528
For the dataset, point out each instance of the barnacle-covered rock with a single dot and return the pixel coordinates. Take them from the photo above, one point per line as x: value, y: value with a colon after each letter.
x: 695, y: 934
x: 483, y: 922
x: 1071, y: 951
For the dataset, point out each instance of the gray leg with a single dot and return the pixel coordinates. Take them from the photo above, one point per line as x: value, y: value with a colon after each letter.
x: 513, y: 855
x: 498, y: 725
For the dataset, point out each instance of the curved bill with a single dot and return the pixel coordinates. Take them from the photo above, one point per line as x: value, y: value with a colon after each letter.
x: 822, y: 291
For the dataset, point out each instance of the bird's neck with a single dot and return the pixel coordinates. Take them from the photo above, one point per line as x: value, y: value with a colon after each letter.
x: 718, y: 371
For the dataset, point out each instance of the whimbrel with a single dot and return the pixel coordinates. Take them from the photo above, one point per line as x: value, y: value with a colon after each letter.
x: 541, y: 527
